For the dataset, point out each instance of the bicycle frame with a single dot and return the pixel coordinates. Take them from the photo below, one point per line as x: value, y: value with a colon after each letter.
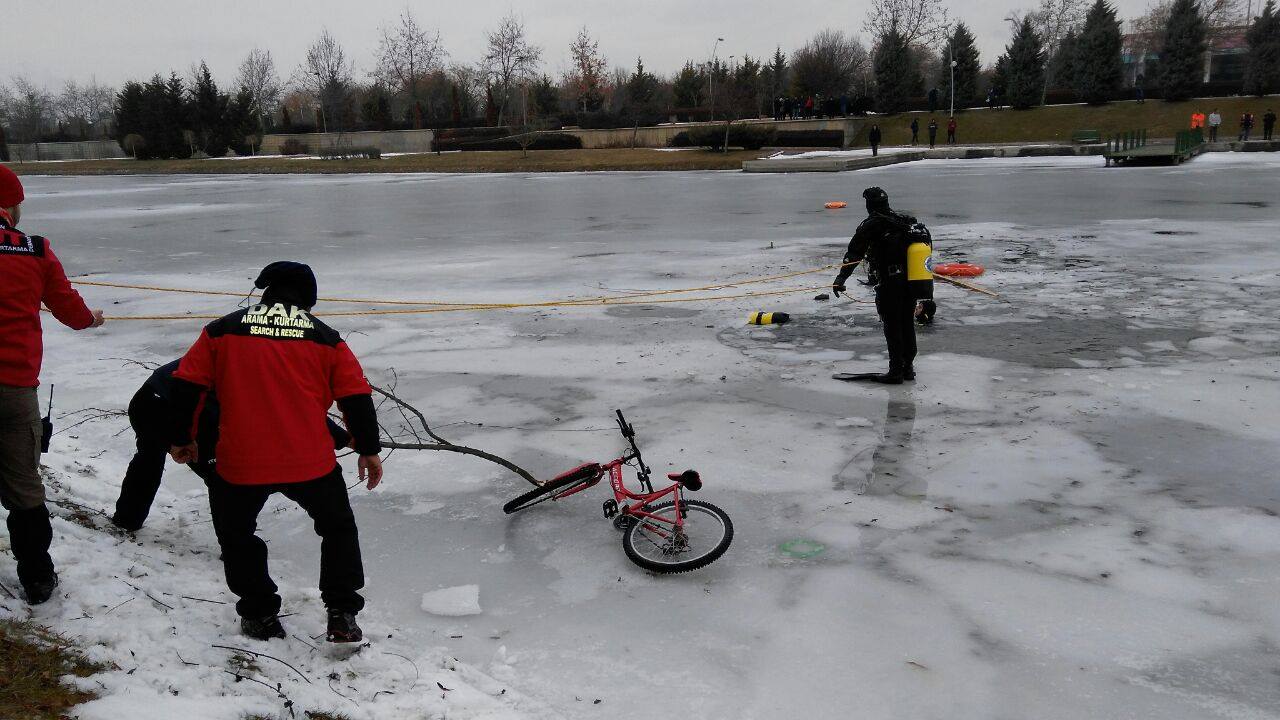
x: 641, y: 500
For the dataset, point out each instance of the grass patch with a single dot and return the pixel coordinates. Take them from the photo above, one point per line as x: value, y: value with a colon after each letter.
x: 1056, y: 123
x: 472, y: 162
x: 32, y: 661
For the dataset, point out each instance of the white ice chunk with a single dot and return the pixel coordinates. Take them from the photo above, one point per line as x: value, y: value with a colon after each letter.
x: 453, y: 602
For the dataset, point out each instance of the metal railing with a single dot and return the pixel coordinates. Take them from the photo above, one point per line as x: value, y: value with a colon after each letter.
x: 1188, y: 140
x: 1127, y: 141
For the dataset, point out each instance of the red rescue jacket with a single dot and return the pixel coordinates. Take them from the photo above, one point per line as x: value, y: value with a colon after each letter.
x: 276, y: 370
x: 30, y: 274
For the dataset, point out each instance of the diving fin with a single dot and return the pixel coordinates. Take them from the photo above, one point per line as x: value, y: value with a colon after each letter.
x: 882, y: 378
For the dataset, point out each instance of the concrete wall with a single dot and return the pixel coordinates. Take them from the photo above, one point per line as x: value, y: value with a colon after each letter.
x: 661, y: 135
x: 86, y: 150
x: 388, y: 141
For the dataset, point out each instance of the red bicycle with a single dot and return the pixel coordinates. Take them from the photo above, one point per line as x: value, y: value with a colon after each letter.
x: 670, y: 536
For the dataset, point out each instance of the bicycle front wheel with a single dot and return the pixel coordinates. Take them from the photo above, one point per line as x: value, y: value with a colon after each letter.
x: 653, y: 543
x: 553, y: 490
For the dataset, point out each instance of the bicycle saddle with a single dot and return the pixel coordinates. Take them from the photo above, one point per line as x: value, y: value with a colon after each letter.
x: 688, y: 478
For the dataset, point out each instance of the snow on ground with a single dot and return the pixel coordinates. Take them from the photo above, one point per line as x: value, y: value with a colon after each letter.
x: 1072, y: 513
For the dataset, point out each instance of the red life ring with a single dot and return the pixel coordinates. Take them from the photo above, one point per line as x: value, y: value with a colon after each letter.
x: 958, y: 270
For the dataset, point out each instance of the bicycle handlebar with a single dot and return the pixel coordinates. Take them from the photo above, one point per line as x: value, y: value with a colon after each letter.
x: 629, y: 433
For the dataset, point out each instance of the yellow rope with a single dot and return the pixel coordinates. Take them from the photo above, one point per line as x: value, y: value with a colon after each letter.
x: 471, y: 306
x: 424, y: 311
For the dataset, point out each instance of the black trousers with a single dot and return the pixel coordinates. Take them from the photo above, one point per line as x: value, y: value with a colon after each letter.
x: 150, y: 418
x: 235, y: 511
x: 897, y: 314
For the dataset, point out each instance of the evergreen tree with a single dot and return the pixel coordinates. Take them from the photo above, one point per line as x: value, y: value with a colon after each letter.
x: 243, y: 122
x: 642, y: 87
x: 1000, y: 76
x: 1180, y: 69
x: 1062, y: 69
x: 964, y: 50
x: 128, y: 112
x: 545, y: 97
x: 1025, y: 71
x: 689, y: 87
x: 208, y: 114
x: 376, y: 110
x: 777, y: 73
x: 1262, y: 73
x: 897, y: 74
x: 1099, y: 71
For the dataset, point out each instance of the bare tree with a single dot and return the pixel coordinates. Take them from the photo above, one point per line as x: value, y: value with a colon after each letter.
x: 257, y: 75
x: 470, y: 82
x: 585, y: 78
x: 829, y: 64
x: 1053, y: 20
x: 326, y: 76
x: 1147, y: 30
x: 918, y: 21
x: 510, y: 59
x: 31, y: 111
x: 407, y: 54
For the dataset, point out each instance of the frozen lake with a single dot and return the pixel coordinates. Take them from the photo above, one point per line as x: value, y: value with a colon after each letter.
x: 1073, y: 512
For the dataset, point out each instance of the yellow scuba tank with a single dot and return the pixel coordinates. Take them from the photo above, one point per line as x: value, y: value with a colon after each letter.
x: 919, y: 274
x: 767, y: 318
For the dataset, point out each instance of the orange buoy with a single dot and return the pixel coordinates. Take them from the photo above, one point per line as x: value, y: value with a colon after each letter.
x: 836, y: 205
x: 961, y: 269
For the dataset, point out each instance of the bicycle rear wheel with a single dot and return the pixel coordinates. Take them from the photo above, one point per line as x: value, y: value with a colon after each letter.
x: 653, y: 544
x: 555, y: 488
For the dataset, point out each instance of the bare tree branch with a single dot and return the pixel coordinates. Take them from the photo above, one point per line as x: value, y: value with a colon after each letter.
x: 442, y: 444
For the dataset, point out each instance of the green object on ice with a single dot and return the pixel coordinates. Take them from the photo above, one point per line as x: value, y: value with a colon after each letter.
x: 801, y: 548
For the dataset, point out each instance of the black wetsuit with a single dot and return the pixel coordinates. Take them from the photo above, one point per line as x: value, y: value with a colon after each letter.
x: 151, y: 416
x: 881, y: 241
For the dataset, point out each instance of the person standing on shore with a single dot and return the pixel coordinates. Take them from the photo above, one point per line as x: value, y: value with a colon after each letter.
x: 1215, y: 121
x: 1246, y: 126
x: 1268, y: 124
x: 915, y: 131
x: 277, y: 369
x: 951, y: 131
x: 873, y: 138
x: 933, y: 133
x: 30, y: 274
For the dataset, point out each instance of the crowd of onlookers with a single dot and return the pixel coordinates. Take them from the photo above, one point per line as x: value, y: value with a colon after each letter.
x: 807, y: 107
x: 1248, y: 121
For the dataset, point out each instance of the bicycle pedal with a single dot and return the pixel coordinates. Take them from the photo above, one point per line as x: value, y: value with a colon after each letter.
x: 610, y: 508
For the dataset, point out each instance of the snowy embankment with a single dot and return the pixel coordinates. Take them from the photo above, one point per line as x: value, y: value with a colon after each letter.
x: 155, y: 611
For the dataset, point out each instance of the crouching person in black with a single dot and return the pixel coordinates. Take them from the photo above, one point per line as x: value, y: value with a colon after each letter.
x: 151, y: 417
x: 882, y: 240
x: 276, y: 370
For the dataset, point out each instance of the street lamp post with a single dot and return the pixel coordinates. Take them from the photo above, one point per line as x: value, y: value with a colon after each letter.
x: 951, y: 54
x: 711, y: 73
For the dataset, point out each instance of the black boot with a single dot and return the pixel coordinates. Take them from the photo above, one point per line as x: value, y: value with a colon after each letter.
x: 40, y: 591
x: 343, y: 627
x: 893, y: 377
x: 29, y: 537
x: 909, y: 373
x: 264, y: 628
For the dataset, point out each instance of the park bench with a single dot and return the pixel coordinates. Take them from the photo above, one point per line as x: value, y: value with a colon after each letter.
x: 1086, y: 136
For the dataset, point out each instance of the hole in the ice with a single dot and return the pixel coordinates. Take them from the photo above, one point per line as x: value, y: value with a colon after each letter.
x: 1175, y: 232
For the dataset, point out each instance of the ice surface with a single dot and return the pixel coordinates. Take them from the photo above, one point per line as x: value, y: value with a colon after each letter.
x: 453, y: 602
x: 1013, y: 535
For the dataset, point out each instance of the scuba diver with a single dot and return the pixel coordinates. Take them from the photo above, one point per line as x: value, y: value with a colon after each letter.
x: 887, y: 240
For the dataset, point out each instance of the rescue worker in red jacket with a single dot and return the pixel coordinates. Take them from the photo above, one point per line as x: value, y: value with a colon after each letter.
x: 29, y: 275
x: 277, y: 370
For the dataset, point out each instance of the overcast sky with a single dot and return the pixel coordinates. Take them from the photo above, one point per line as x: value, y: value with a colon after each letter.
x: 50, y: 41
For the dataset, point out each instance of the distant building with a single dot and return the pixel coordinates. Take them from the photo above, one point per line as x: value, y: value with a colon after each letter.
x: 1224, y: 62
